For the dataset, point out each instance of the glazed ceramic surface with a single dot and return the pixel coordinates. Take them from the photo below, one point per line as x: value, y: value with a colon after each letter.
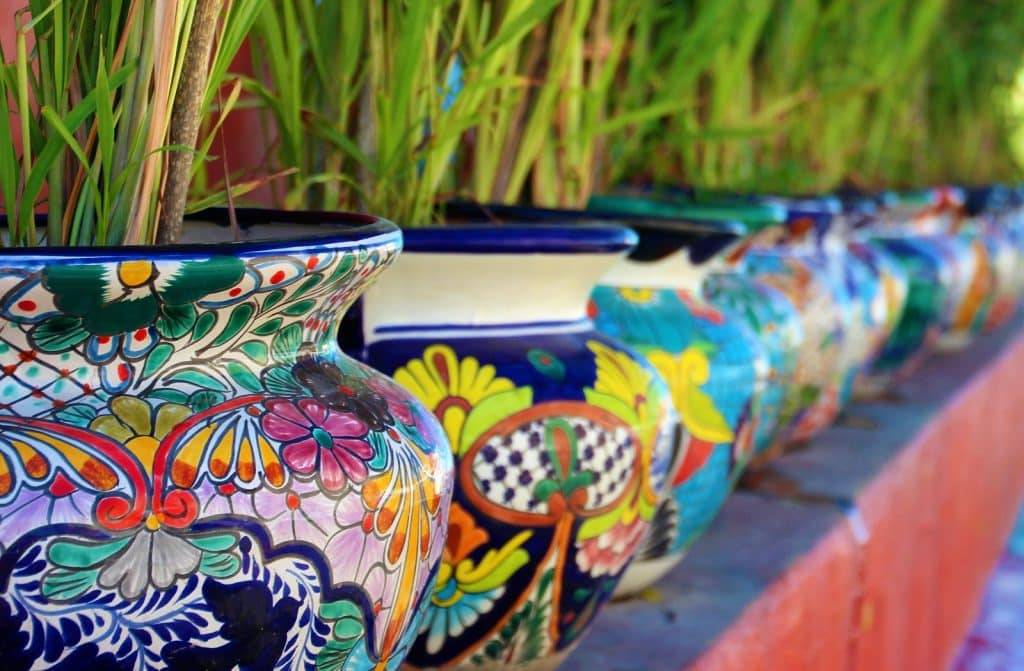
x: 917, y: 331
x: 970, y: 292
x: 1005, y: 257
x: 715, y: 367
x: 776, y: 322
x: 887, y: 290
x: 563, y: 437
x: 191, y: 473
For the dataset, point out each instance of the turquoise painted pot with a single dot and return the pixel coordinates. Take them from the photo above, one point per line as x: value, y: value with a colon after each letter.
x: 776, y: 322
x: 714, y: 364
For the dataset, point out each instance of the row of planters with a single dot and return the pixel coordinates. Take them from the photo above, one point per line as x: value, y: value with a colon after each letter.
x: 282, y: 440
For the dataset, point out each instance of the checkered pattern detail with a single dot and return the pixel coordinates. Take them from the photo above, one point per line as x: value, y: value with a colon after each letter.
x: 34, y: 384
x: 507, y: 468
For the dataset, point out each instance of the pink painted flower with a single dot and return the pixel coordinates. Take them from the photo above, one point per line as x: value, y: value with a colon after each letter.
x: 609, y: 552
x: 397, y: 400
x: 319, y: 440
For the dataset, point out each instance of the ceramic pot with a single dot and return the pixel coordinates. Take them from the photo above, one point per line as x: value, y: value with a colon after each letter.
x: 193, y: 475
x: 562, y: 436
x: 813, y: 279
x: 991, y: 212
x: 971, y: 290
x: 713, y: 362
x: 917, y: 331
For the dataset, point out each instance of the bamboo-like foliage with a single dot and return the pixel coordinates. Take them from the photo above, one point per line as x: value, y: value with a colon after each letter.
x: 370, y: 101
x: 90, y: 91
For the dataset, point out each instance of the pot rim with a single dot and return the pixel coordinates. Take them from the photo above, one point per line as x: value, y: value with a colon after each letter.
x: 519, y: 238
x: 343, y: 230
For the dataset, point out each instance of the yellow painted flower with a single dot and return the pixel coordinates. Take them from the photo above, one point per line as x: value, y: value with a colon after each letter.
x: 450, y: 387
x: 685, y: 375
x: 138, y: 427
x: 620, y: 376
x: 637, y: 295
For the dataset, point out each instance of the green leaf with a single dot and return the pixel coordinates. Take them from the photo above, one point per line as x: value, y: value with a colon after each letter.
x: 77, y: 414
x: 79, y: 555
x: 236, y: 322
x: 280, y: 381
x: 58, y: 334
x: 176, y: 321
x: 157, y: 358
x: 204, y: 400
x: 272, y: 299
x: 268, y: 328
x: 169, y: 395
x: 64, y: 585
x: 243, y: 377
x: 286, y: 343
x: 544, y: 489
x: 214, y: 542
x: 219, y: 565
x: 308, y: 284
x: 299, y: 309
x: 198, y: 378
x: 203, y: 325
x: 256, y: 350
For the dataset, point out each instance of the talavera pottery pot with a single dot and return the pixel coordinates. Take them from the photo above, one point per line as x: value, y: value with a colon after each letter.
x: 192, y: 475
x: 713, y: 362
x: 808, y: 275
x: 562, y: 436
x: 989, y: 209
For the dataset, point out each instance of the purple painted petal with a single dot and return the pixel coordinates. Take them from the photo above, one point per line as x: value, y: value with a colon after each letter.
x: 356, y: 446
x: 355, y: 467
x: 301, y: 456
x: 344, y: 425
x: 287, y: 410
x: 278, y: 428
x: 331, y: 473
x: 313, y: 409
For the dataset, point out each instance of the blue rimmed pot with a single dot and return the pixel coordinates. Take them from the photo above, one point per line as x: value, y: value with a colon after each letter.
x: 714, y: 362
x: 563, y: 437
x: 185, y: 451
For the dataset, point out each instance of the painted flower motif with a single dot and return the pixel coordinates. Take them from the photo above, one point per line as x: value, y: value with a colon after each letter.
x: 319, y: 440
x: 153, y: 556
x: 116, y: 313
x: 620, y: 376
x: 398, y: 402
x: 450, y: 387
x: 637, y: 295
x: 686, y: 374
x: 139, y: 426
x: 608, y: 553
x: 345, y: 393
x: 466, y: 589
x: 299, y: 513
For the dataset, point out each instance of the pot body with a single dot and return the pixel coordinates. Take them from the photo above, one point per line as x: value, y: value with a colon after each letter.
x: 715, y: 367
x: 812, y: 286
x: 192, y: 475
x: 1005, y: 259
x: 970, y: 290
x: 885, y: 289
x: 776, y: 322
x: 563, y: 437
x: 929, y: 278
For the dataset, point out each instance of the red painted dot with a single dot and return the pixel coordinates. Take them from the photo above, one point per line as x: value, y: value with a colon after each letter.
x: 58, y: 404
x: 311, y: 263
x: 37, y: 393
x: 292, y: 501
x: 227, y: 489
x: 27, y: 355
x: 27, y: 306
x: 103, y: 340
x: 141, y: 335
x: 277, y: 277
x: 235, y: 292
x: 122, y: 372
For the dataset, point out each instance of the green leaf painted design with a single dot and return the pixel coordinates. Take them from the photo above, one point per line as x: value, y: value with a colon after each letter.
x: 236, y: 322
x: 196, y: 279
x: 344, y: 267
x: 214, y: 542
x: 299, y: 309
x: 544, y: 489
x: 58, y: 334
x: 78, y: 414
x: 268, y: 328
x: 219, y: 564
x: 279, y: 380
x: 286, y: 343
x: 272, y: 299
x: 256, y: 350
x: 241, y: 375
x: 64, y: 585
x: 198, y: 378
x: 170, y: 395
x: 204, y: 400
x: 308, y: 284
x: 347, y: 618
x: 203, y: 325
x: 75, y: 554
x: 157, y: 358
x: 176, y: 321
